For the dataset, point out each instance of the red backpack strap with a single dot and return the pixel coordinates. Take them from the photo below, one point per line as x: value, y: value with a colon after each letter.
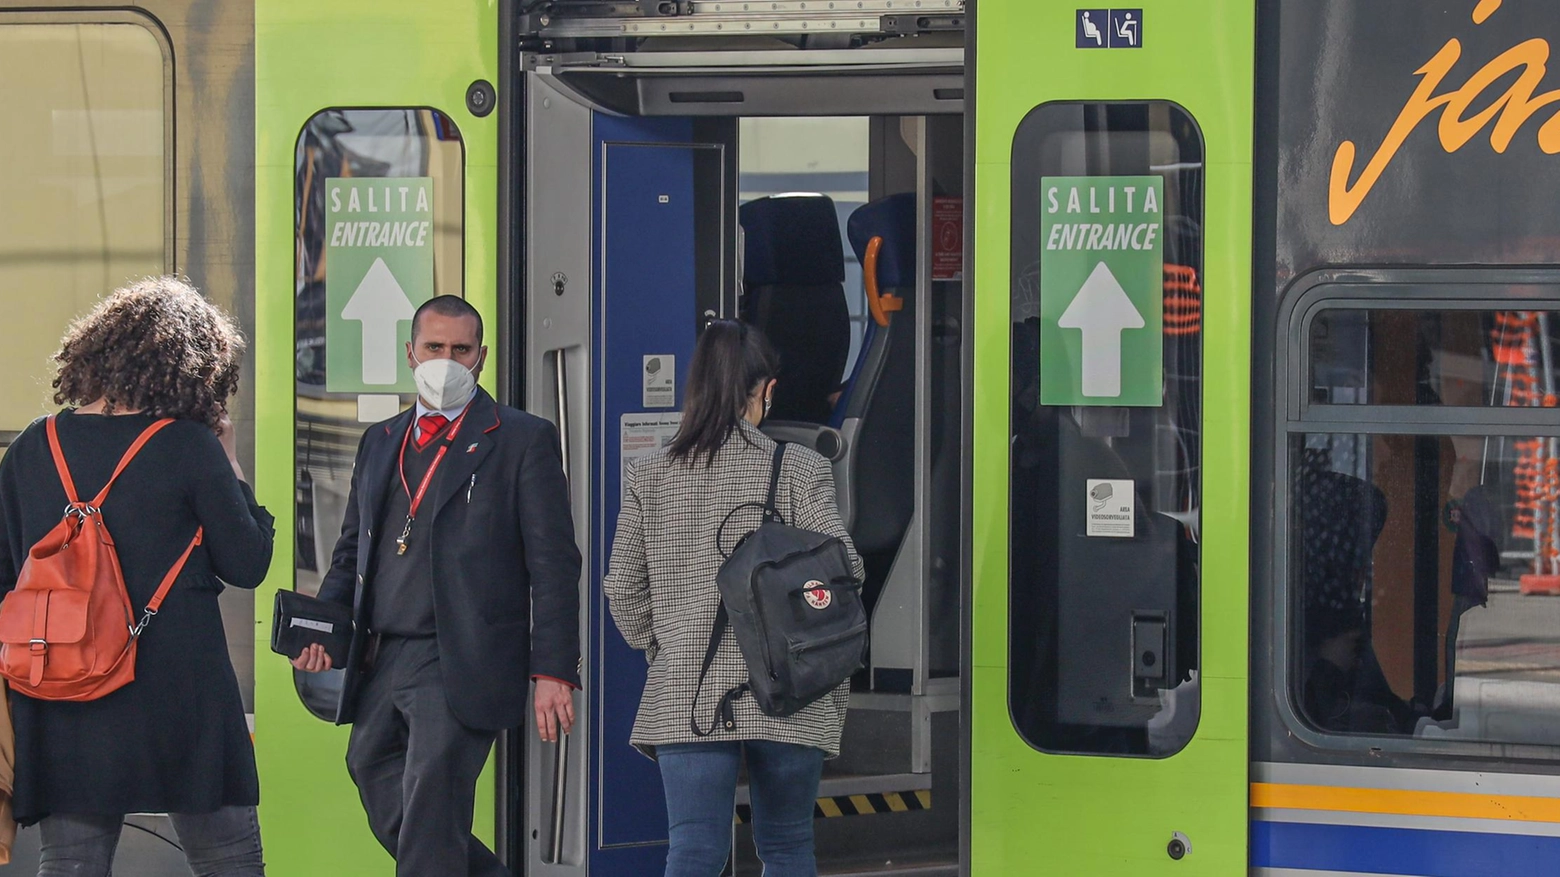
x: 59, y: 461
x: 167, y: 583
x: 135, y: 448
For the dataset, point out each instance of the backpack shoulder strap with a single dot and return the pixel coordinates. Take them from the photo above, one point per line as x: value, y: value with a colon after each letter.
x: 771, y: 511
x: 725, y: 711
x: 768, y: 507
x: 167, y: 584
x: 135, y: 448
x: 59, y: 461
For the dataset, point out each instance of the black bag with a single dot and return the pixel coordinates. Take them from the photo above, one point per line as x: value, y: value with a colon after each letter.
x: 794, y: 605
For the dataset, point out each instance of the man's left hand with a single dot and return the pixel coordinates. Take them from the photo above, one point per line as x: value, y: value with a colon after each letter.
x: 554, y: 707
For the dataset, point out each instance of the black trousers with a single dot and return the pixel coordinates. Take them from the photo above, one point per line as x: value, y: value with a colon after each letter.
x: 416, y: 766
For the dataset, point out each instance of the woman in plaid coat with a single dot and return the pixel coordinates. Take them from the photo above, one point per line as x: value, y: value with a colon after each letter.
x: 661, y: 587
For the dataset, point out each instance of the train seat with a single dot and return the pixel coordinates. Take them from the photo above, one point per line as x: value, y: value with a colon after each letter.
x: 794, y: 290
x: 870, y: 433
x: 877, y: 405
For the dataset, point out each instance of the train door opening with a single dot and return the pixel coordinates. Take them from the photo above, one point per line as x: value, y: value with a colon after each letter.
x: 829, y: 214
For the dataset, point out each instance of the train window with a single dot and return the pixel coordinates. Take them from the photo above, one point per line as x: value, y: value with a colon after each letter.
x: 378, y: 214
x: 1423, y: 566
x: 1422, y: 544
x: 1105, y: 498
x: 1435, y: 357
x: 84, y: 144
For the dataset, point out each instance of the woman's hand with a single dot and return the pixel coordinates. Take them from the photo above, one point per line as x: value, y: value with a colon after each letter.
x: 229, y: 438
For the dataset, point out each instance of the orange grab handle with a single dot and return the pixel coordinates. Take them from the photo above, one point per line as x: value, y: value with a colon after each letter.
x: 879, y: 304
x: 869, y: 277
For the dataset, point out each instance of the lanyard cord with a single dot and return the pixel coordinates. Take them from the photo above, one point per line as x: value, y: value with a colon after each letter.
x: 427, y: 479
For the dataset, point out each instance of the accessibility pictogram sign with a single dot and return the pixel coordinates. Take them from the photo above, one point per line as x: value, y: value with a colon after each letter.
x: 1101, y: 291
x: 1108, y: 29
x: 378, y: 269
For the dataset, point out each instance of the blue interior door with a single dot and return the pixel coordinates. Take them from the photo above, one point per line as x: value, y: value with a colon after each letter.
x: 645, y: 324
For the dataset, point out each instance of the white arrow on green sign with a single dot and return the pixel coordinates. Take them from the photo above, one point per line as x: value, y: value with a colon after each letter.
x: 1101, y: 311
x: 378, y: 269
x: 1102, y: 291
x: 379, y: 304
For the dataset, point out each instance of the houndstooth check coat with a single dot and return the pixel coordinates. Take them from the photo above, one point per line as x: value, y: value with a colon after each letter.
x: 662, y: 591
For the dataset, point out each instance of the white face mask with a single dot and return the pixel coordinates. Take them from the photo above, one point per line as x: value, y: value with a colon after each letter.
x: 444, y: 383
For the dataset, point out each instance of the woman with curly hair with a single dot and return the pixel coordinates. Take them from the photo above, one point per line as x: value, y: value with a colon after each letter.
x: 174, y: 740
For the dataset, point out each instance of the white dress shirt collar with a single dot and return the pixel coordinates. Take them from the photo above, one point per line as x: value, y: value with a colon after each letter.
x: 449, y: 413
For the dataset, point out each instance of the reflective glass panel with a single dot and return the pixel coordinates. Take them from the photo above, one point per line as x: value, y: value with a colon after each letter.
x: 342, y: 145
x: 83, y: 193
x: 1468, y: 358
x: 1106, y: 500
x: 1421, y: 571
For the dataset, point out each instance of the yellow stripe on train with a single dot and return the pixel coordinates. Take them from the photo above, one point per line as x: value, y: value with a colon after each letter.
x: 1456, y: 805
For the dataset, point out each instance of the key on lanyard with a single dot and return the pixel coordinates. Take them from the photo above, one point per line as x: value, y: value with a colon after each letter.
x: 416, y: 499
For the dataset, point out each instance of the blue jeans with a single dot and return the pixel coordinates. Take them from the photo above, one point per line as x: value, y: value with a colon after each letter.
x: 701, y: 792
x: 221, y: 844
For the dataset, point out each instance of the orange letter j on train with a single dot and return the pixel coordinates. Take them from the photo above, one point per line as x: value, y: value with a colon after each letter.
x: 1460, y: 121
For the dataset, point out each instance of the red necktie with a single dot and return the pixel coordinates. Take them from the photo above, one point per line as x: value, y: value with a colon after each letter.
x: 428, y: 426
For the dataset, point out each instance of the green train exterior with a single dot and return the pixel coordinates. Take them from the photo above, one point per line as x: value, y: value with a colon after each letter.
x: 1352, y: 284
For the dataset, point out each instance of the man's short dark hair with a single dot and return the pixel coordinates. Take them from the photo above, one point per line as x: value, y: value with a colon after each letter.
x: 447, y: 306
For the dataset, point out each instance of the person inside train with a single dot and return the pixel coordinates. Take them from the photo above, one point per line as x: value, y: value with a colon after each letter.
x: 174, y: 739
x: 663, y: 596
x: 1475, y: 557
x: 1345, y: 690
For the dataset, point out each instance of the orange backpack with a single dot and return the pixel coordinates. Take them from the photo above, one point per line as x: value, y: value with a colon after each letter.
x: 68, y: 630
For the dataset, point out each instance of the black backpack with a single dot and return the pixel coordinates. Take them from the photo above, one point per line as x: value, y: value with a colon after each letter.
x: 794, y: 605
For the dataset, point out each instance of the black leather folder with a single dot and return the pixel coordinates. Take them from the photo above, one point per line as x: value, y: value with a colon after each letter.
x: 300, y: 621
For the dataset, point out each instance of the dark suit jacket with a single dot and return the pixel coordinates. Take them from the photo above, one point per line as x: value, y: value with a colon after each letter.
x: 506, y: 570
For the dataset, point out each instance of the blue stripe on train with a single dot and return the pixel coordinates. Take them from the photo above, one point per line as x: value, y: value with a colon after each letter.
x: 1369, y: 850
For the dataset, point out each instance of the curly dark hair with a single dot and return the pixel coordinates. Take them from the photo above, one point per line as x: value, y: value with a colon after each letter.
x: 157, y: 346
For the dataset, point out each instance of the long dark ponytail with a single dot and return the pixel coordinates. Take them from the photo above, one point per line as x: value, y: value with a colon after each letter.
x: 731, y: 361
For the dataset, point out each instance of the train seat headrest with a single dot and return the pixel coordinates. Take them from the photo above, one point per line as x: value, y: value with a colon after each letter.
x: 791, y: 240
x: 892, y: 219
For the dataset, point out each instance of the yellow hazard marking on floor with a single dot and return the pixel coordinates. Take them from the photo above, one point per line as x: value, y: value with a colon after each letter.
x: 859, y: 805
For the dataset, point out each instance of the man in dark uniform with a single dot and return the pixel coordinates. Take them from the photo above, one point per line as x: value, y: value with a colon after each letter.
x: 458, y: 559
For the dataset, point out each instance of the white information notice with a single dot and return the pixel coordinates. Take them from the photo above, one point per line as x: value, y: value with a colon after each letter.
x: 660, y: 381
x: 641, y: 435
x: 1112, y: 508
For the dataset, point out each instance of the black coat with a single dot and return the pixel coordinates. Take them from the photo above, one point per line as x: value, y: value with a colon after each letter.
x: 506, y: 570
x: 174, y: 740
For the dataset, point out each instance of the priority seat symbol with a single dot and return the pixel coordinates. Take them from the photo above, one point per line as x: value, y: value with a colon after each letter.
x: 1108, y: 29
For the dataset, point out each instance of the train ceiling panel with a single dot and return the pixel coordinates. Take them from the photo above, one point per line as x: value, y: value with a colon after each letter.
x: 845, y: 21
